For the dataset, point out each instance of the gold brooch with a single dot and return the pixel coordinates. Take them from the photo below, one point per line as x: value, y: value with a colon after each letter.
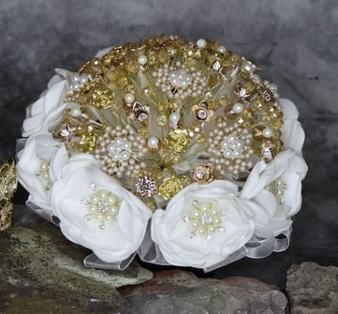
x: 8, y: 186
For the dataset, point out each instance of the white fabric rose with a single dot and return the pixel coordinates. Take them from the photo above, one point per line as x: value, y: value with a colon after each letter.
x: 293, y: 135
x: 40, y: 163
x: 284, y: 174
x: 46, y: 112
x: 173, y: 229
x: 96, y: 212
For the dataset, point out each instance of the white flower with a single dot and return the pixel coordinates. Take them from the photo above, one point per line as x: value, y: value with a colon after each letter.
x: 46, y: 112
x: 202, y: 225
x: 96, y: 212
x: 293, y: 135
x: 40, y: 163
x: 276, y: 187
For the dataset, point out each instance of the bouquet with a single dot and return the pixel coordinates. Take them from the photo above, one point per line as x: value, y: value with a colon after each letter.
x: 173, y: 150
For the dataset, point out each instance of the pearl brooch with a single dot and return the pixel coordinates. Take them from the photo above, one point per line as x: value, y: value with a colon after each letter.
x: 179, y: 82
x: 180, y: 78
x: 102, y: 205
x: 230, y: 149
x: 120, y: 151
x: 205, y: 219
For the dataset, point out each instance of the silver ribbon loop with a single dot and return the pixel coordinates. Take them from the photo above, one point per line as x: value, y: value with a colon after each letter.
x: 149, y: 252
x: 92, y: 261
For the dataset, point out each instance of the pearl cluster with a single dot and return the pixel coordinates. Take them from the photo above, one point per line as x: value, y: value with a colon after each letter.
x: 43, y: 173
x: 205, y: 219
x: 230, y: 149
x: 78, y: 81
x: 120, y: 150
x: 277, y: 188
x: 102, y: 205
x: 180, y: 78
x: 179, y: 82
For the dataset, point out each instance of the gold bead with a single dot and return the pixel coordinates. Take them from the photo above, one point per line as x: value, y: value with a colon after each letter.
x: 200, y: 138
x: 257, y: 133
x: 229, y: 112
x: 277, y: 123
x: 247, y: 114
x: 265, y: 117
x: 163, y: 56
x: 132, y: 66
x: 161, y: 121
x: 258, y: 105
x: 6, y: 208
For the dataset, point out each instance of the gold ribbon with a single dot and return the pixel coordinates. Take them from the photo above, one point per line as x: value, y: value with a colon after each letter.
x: 8, y: 186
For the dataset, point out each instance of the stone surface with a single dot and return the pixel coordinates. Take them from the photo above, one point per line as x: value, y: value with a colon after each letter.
x: 41, y: 270
x: 178, y: 292
x: 313, y: 289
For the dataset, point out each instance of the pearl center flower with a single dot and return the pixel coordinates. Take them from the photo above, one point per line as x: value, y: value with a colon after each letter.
x: 119, y: 149
x: 180, y: 78
x: 205, y: 219
x: 232, y: 146
x: 102, y: 206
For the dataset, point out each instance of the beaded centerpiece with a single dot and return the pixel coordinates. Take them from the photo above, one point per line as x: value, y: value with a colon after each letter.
x: 164, y: 113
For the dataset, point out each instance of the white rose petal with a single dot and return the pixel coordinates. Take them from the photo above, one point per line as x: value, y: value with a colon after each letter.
x: 293, y: 135
x: 46, y: 112
x: 173, y: 235
x: 39, y: 148
x: 291, y: 170
x: 120, y: 237
x: 262, y: 174
x: 290, y: 111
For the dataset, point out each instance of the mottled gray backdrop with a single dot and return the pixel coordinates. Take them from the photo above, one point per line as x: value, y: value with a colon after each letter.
x: 294, y: 41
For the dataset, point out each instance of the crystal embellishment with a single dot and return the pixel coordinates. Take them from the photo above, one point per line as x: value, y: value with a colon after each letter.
x: 146, y: 186
x: 277, y: 188
x: 205, y: 219
x: 102, y: 206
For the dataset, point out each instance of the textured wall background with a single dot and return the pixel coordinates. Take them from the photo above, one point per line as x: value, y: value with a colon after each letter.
x: 295, y: 42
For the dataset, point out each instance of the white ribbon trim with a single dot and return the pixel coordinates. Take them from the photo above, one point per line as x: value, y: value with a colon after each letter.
x: 148, y: 252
